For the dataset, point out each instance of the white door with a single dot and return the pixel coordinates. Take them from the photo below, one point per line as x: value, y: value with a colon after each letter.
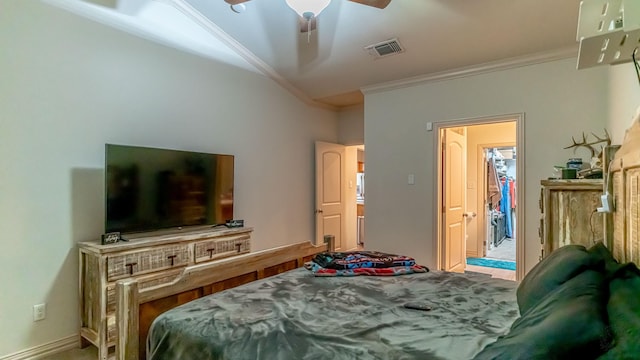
x: 330, y: 192
x: 454, y: 190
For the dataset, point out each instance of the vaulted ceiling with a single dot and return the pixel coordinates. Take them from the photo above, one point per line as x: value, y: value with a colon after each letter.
x: 330, y: 65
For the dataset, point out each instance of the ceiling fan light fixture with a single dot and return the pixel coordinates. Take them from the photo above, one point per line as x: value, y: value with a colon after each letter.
x: 308, y: 8
x: 238, y: 8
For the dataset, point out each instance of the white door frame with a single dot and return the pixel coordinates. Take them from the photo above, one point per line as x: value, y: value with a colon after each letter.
x: 520, y: 175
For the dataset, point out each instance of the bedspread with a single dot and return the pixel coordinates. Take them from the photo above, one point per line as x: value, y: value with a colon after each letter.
x: 296, y: 315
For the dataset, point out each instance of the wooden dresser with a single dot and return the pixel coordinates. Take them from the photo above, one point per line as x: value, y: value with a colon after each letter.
x: 569, y: 213
x: 153, y: 259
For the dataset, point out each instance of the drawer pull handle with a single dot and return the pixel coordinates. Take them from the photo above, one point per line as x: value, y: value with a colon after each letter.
x: 238, y: 245
x: 210, y: 251
x: 171, y: 257
x: 130, y: 266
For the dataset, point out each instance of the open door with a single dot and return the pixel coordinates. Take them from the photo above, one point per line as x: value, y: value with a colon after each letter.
x: 454, y: 203
x: 330, y: 192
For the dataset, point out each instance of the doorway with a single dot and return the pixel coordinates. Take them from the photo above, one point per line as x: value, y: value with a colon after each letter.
x: 340, y: 194
x: 360, y: 196
x: 480, y: 226
x: 500, y: 167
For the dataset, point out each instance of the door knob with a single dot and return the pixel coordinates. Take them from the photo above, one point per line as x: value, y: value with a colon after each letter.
x: 318, y: 211
x: 469, y: 214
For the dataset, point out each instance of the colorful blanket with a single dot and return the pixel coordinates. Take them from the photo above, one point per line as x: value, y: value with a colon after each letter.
x: 360, y: 259
x: 389, y: 271
x: 354, y: 263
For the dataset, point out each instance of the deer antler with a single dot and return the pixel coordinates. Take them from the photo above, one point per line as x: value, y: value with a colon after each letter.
x: 582, y: 143
x: 606, y: 138
x: 589, y: 145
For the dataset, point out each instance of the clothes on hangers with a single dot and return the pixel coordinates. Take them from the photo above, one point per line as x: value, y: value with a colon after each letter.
x: 494, y: 189
x: 512, y: 192
x: 505, y: 205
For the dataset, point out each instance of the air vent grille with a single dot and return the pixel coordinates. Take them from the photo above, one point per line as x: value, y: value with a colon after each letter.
x: 385, y: 48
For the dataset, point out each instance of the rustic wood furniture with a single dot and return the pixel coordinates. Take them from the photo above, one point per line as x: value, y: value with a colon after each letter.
x: 624, y: 241
x: 151, y: 260
x: 569, y: 213
x: 117, y: 307
x: 136, y: 308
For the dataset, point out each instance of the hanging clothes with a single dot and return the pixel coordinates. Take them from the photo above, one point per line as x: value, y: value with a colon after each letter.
x: 512, y: 192
x: 505, y: 205
x: 494, y: 189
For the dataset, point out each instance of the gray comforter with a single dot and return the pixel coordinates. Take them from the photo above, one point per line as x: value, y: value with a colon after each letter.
x: 295, y: 315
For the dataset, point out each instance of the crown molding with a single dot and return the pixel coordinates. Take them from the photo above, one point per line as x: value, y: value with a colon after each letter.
x: 198, y: 18
x: 505, y: 64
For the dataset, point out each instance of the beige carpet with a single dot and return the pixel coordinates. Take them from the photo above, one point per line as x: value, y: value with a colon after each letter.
x: 505, y: 251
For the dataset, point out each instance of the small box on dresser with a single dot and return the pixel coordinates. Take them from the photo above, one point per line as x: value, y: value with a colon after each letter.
x: 152, y: 259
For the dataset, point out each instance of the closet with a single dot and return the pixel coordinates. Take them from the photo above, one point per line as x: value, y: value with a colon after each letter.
x: 501, y: 195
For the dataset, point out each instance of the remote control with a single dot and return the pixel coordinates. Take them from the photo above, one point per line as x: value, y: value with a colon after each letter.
x: 417, y: 306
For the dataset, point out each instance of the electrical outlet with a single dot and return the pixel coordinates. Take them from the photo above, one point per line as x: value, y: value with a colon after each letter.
x: 39, y: 312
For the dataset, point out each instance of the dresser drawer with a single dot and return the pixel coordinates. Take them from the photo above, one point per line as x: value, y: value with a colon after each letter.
x: 146, y: 261
x: 144, y: 282
x: 219, y: 248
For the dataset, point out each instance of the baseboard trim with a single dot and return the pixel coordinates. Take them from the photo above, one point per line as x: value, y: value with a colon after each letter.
x: 38, y: 352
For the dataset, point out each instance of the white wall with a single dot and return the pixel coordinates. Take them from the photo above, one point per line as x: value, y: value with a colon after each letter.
x: 351, y: 125
x: 558, y: 102
x: 67, y: 87
x: 624, y: 99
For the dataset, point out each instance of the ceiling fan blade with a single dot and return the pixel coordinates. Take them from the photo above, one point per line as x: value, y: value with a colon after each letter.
x: 307, y: 25
x: 380, y: 4
x: 235, y: 2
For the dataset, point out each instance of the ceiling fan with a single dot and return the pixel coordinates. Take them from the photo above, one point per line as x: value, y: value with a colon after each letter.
x: 308, y: 10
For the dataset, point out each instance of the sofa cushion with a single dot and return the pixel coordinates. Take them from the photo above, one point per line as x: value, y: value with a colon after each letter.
x: 569, y: 322
x: 554, y: 270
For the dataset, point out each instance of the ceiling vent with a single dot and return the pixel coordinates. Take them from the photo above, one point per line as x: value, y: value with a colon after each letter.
x: 385, y: 48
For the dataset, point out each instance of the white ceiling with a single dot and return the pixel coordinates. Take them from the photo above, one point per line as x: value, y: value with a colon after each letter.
x: 331, y: 65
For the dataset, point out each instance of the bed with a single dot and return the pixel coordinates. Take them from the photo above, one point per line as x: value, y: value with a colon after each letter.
x: 577, y: 302
x: 296, y: 315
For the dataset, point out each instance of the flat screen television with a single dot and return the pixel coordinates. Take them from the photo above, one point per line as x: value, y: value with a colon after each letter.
x: 148, y: 189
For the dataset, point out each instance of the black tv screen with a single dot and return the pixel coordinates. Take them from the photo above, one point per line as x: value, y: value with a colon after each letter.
x: 147, y: 189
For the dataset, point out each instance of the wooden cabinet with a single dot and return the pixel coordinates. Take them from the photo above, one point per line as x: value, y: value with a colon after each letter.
x: 569, y: 213
x: 152, y: 259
